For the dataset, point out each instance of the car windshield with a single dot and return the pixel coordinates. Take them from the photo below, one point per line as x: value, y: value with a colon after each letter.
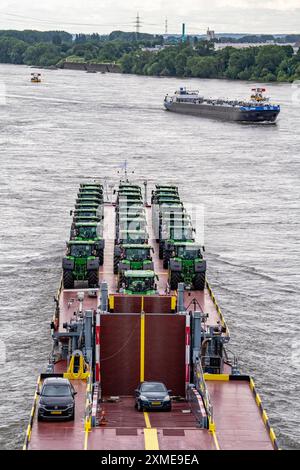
x: 137, y: 254
x: 87, y: 232
x: 153, y: 387
x: 56, y: 391
x: 188, y: 253
x: 81, y: 250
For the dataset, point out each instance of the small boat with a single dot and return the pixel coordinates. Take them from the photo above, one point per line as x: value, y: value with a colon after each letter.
x: 36, y: 77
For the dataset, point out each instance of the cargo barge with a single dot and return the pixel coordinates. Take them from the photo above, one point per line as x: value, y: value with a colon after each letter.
x: 134, y: 305
x: 257, y: 109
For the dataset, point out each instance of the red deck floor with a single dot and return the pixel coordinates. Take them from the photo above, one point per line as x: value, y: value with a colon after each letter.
x: 239, y: 425
x: 69, y: 304
x: 125, y: 429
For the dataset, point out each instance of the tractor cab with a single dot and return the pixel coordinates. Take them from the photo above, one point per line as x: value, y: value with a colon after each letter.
x: 88, y: 206
x: 132, y: 236
x: 136, y: 252
x: 135, y: 223
x: 124, y: 202
x: 139, y: 283
x: 87, y: 231
x: 89, y: 196
x: 183, y: 232
x: 187, y: 251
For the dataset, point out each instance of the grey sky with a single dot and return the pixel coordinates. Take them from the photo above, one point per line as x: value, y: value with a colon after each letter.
x: 103, y: 16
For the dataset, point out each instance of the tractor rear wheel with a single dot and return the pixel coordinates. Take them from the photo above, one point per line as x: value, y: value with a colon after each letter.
x: 93, y: 278
x: 174, y: 280
x: 199, y: 281
x: 101, y: 257
x: 68, y: 280
x: 166, y: 258
x: 116, y: 264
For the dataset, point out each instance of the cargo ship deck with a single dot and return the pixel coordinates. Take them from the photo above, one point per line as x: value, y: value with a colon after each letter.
x: 239, y: 421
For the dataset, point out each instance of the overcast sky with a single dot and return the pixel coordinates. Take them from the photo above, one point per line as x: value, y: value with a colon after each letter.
x: 104, y: 16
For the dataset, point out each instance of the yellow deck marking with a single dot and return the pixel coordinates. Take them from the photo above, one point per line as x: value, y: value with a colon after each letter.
x: 142, y: 352
x: 220, y: 377
x: 151, y: 439
x: 147, y: 420
x: 86, y: 437
x: 216, y: 440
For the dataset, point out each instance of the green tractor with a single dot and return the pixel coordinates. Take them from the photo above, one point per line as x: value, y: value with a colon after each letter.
x: 81, y: 264
x: 90, y: 231
x: 132, y: 256
x: 187, y: 265
x: 139, y: 283
x: 173, y: 234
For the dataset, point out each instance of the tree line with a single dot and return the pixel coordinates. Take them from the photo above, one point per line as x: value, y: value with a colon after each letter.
x: 185, y: 59
x: 265, y: 63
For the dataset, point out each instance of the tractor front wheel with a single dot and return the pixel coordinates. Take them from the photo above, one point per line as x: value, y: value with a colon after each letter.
x: 199, y: 281
x: 174, y: 280
x: 93, y: 278
x: 101, y: 257
x: 68, y: 280
x: 116, y: 264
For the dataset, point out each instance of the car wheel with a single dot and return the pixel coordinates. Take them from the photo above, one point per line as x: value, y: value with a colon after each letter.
x: 39, y: 418
x: 139, y: 406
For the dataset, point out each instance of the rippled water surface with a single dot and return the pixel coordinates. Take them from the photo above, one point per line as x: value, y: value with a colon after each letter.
x: 76, y: 125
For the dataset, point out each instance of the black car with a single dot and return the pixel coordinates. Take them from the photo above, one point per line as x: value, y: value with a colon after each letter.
x: 152, y: 396
x: 56, y: 399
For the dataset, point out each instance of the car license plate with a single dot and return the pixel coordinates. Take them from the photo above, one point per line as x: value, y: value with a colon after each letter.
x: 56, y: 412
x: 155, y: 402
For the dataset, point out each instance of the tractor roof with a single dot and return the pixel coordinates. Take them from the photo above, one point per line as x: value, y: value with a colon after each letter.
x: 132, y: 219
x: 81, y: 242
x: 84, y: 203
x: 141, y: 232
x: 139, y: 274
x: 188, y: 243
x: 87, y: 224
x: 138, y: 246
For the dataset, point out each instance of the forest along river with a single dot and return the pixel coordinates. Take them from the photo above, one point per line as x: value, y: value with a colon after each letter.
x: 76, y: 125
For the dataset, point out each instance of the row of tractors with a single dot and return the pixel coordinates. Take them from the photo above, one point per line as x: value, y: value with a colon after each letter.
x: 85, y: 250
x: 132, y: 253
x: 175, y: 234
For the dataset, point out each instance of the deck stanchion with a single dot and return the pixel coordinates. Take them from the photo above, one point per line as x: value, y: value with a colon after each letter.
x: 97, y: 348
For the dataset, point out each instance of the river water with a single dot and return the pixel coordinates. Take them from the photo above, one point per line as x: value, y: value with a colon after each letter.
x: 76, y: 125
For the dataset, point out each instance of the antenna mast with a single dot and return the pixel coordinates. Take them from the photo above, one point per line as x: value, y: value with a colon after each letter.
x: 166, y: 26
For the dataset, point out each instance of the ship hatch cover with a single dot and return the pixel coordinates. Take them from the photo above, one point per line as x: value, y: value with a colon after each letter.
x: 173, y: 432
x: 126, y: 432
